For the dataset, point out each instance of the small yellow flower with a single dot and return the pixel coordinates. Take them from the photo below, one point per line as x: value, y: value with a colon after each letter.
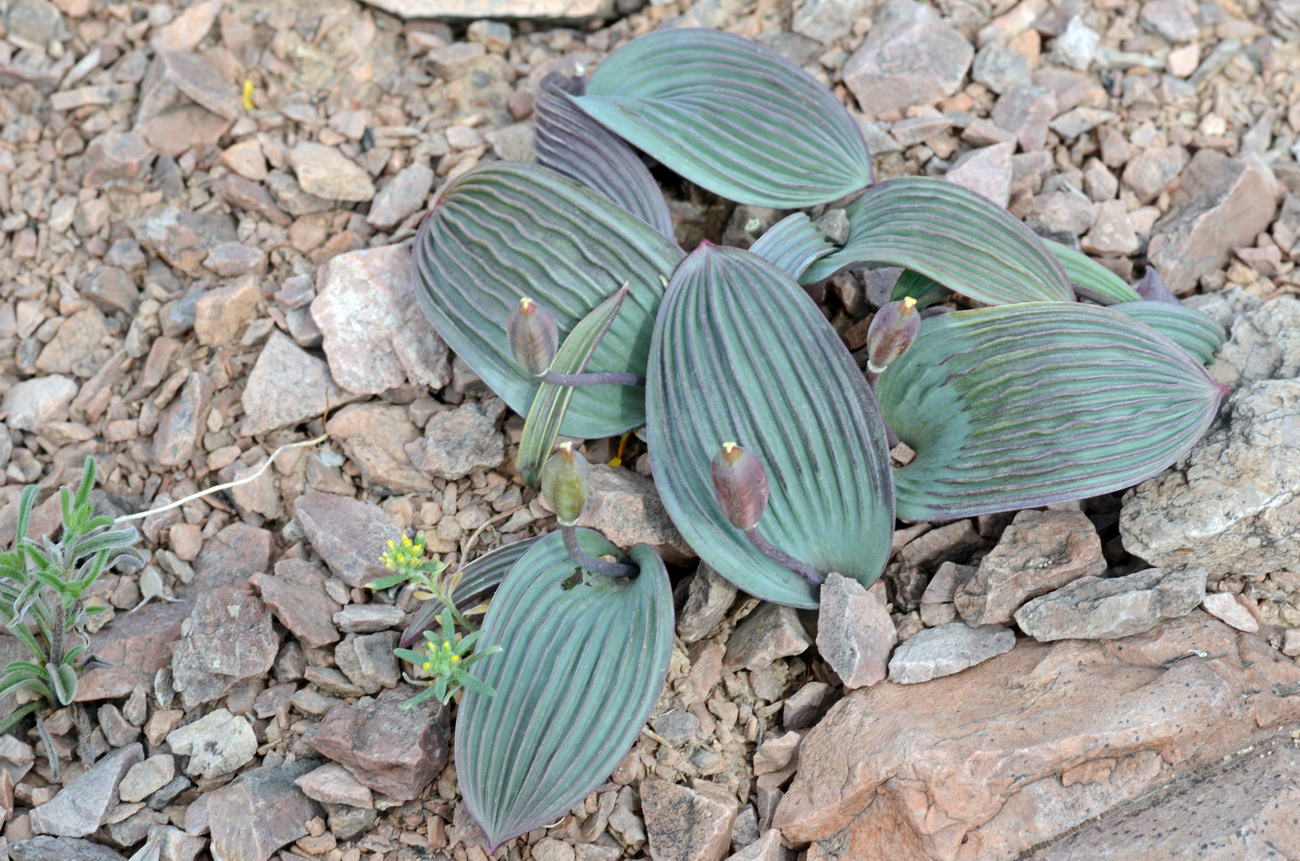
x: 455, y: 659
x: 426, y: 666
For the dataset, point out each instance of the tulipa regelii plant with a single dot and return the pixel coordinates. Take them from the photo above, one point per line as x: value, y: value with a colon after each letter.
x: 562, y: 285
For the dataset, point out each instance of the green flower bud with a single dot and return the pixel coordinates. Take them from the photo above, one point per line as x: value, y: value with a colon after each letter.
x: 533, y: 335
x: 740, y: 481
x: 891, y: 332
x: 566, y: 484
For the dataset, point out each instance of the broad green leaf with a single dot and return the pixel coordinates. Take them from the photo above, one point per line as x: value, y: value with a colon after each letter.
x: 542, y: 426
x: 585, y: 658
x: 1091, y: 279
x: 741, y: 354
x: 506, y: 230
x: 730, y: 115
x: 792, y: 244
x: 951, y: 235
x: 477, y: 579
x: 1019, y: 406
x: 572, y: 143
x: 926, y: 291
x: 1197, y: 333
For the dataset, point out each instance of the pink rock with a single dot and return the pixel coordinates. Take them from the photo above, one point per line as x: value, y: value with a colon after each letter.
x: 1028, y: 745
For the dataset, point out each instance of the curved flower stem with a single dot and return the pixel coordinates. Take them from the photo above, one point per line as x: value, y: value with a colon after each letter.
x: 622, y: 378
x: 780, y: 557
x: 591, y: 563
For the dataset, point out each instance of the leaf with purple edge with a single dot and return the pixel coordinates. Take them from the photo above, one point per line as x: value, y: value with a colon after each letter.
x: 1194, y: 331
x: 951, y: 235
x: 730, y: 115
x: 1018, y: 406
x: 1091, y: 280
x: 793, y: 244
x: 580, y: 671
x: 573, y: 144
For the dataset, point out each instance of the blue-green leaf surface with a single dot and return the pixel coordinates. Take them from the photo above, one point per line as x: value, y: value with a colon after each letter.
x: 730, y: 115
x: 582, y: 666
x: 1197, y: 333
x: 508, y: 230
x: 1019, y: 406
x: 952, y: 236
x: 792, y: 244
x: 1091, y: 279
x: 768, y: 372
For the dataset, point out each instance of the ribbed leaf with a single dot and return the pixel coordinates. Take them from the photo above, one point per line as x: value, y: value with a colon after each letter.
x: 954, y: 236
x: 732, y: 116
x: 792, y: 244
x: 581, y: 668
x: 1024, y: 405
x: 1195, y: 332
x: 926, y: 291
x: 504, y: 231
x: 477, y: 580
x: 741, y: 354
x: 572, y: 143
x: 542, y: 426
x: 1091, y: 279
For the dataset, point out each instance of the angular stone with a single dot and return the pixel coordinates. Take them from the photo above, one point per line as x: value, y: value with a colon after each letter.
x: 296, y: 594
x: 1224, y: 203
x: 1225, y: 606
x: 709, y: 596
x: 626, y: 508
x: 175, y: 845
x: 1077, y: 45
x: 768, y: 633
x: 78, y: 347
x: 1025, y: 111
x: 854, y: 632
x: 184, y: 239
x: 368, y: 618
x: 31, y: 403
x: 83, y: 804
x: 221, y: 314
x: 1173, y: 19
x: 350, y: 535
x: 147, y: 777
x: 246, y: 159
x: 115, y: 155
x: 564, y: 10
x: 1263, y: 343
x: 685, y: 824
x: 910, y: 57
x: 230, y: 557
x: 217, y: 743
x: 183, y: 422
x: 1229, y: 506
x: 392, y: 750
x: 1000, y: 68
x: 112, y: 289
x: 200, y: 81
x: 947, y: 649
x: 327, y: 173
x: 1062, y: 212
x: 334, y: 784
x: 1149, y: 172
x: 986, y: 171
x: 1094, y: 608
x: 1031, y: 744
x: 1040, y: 551
x: 368, y: 660
x: 287, y: 386
x: 363, y: 308
x: 1080, y: 120
x: 405, y: 193
x: 456, y: 442
x: 1241, y: 808
x: 827, y: 21
x: 227, y: 638
x: 375, y: 437
x: 133, y: 649
x: 260, y: 812
x: 766, y: 848
x: 61, y: 849
x: 1112, y: 232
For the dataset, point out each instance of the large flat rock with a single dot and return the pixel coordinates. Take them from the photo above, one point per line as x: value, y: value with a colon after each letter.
x: 993, y: 761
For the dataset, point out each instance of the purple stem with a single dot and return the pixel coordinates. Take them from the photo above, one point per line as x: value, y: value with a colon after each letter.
x: 780, y: 557
x: 591, y: 563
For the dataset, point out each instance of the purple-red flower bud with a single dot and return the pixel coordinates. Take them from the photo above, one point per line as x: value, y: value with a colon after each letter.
x: 533, y: 335
x: 891, y: 332
x: 566, y: 484
x: 740, y: 481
